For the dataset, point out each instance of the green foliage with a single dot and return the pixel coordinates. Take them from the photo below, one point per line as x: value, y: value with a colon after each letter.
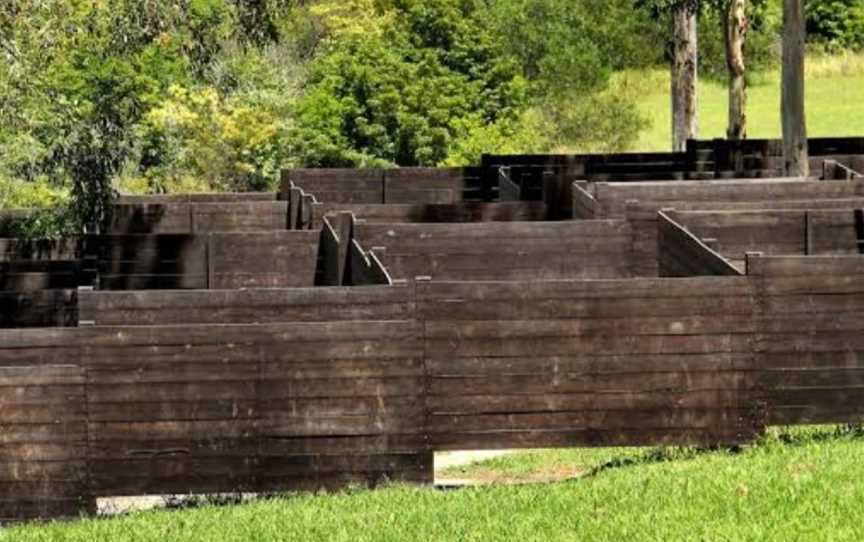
x: 198, y: 134
x: 401, y: 96
x: 837, y: 24
x: 41, y: 211
x: 165, y: 95
x: 761, y: 49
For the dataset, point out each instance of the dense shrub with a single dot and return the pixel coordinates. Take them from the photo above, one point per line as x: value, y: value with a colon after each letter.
x: 836, y: 23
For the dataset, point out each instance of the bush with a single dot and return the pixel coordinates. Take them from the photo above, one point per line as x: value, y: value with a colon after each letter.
x: 48, y: 211
x: 837, y: 24
x: 199, y: 134
x: 404, y: 96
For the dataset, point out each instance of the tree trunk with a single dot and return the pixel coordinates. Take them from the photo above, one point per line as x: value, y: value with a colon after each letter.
x: 792, y: 103
x: 736, y: 25
x: 684, y: 77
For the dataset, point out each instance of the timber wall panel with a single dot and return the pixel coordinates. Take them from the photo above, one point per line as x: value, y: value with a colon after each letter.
x: 736, y: 233
x: 365, y: 267
x: 613, y: 197
x: 811, y: 356
x: 33, y: 275
x: 245, y: 306
x: 682, y: 254
x: 41, y: 308
x: 33, y: 265
x: 142, y: 262
x: 423, y: 185
x: 775, y: 232
x: 263, y: 260
x: 502, y: 251
x: 338, y: 185
x: 200, y: 217
x: 218, y: 260
x: 533, y: 364
x: 213, y: 408
x: 215, y: 197
x: 67, y: 249
x: 464, y: 212
x: 43, y: 435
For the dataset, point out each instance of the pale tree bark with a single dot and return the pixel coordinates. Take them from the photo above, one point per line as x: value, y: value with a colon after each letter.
x: 685, y: 55
x: 792, y: 91
x: 735, y: 32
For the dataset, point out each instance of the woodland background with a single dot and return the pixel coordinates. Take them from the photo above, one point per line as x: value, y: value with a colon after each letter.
x: 198, y: 95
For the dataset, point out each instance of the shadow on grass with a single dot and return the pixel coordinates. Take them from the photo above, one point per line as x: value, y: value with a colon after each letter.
x: 786, y: 436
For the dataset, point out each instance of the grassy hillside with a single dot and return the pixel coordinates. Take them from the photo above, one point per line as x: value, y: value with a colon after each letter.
x: 835, y: 94
x: 804, y: 485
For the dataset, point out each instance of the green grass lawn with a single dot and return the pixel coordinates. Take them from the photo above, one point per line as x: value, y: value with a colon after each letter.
x: 804, y: 485
x: 834, y: 104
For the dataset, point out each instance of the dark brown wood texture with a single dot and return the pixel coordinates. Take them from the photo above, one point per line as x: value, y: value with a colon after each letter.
x: 393, y: 186
x: 784, y: 232
x: 219, y: 260
x: 67, y: 249
x: 365, y: 267
x: 209, y: 408
x: 435, y: 213
x: 244, y: 306
x: 503, y: 250
x: 585, y: 363
x: 613, y: 198
x: 424, y: 185
x: 321, y: 387
x: 40, y: 308
x: 810, y: 352
x: 199, y: 217
x: 338, y: 185
x: 682, y: 254
x: 43, y: 437
x: 215, y: 197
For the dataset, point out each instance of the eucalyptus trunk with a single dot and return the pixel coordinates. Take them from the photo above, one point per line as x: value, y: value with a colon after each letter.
x: 685, y: 53
x: 736, y: 25
x: 792, y: 91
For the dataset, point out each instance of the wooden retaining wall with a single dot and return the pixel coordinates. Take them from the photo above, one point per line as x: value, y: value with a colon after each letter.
x: 503, y: 251
x: 587, y: 363
x: 43, y: 443
x: 195, y: 217
x: 39, y: 308
x: 610, y: 200
x: 375, y: 186
x: 810, y: 350
x: 219, y: 260
x: 244, y: 306
x: 680, y: 253
x: 214, y: 408
x: 214, y: 197
x: 777, y: 232
x: 302, y: 389
x: 38, y: 279
x: 433, y: 213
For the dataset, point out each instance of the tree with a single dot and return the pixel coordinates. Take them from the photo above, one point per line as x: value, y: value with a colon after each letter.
x: 792, y: 91
x: 684, y: 65
x: 735, y: 26
x: 685, y: 73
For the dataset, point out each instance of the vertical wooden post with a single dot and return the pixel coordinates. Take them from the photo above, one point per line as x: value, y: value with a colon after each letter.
x: 211, y: 264
x: 795, y: 150
x: 750, y: 259
x: 808, y: 234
